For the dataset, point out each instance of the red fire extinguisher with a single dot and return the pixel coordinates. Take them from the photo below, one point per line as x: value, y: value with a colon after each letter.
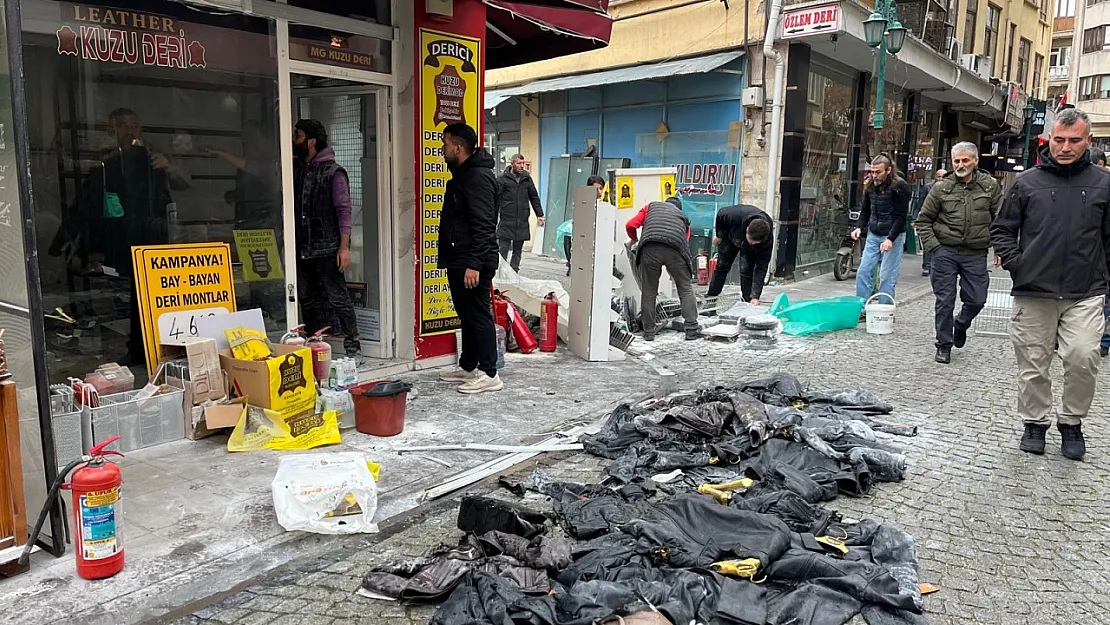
x: 321, y: 355
x: 712, y: 266
x: 97, y: 516
x: 549, y: 323
x: 703, y: 268
x: 501, y: 312
x: 525, y: 340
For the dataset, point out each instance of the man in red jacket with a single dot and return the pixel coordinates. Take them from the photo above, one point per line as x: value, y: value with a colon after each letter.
x: 664, y: 242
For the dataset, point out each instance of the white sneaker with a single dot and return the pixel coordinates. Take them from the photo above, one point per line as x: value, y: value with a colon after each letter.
x: 481, y: 384
x: 459, y: 375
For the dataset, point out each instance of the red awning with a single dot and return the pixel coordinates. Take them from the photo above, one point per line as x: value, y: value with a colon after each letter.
x: 523, y: 32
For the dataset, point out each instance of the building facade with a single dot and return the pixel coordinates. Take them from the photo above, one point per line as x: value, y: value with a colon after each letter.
x: 126, y: 123
x: 1081, y: 56
x: 687, y: 84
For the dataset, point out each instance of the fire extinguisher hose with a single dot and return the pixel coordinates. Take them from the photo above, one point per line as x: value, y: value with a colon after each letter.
x: 50, y: 498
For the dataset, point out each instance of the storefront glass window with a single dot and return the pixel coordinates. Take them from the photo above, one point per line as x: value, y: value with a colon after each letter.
x: 147, y: 126
x: 707, y: 178
x: 824, y: 213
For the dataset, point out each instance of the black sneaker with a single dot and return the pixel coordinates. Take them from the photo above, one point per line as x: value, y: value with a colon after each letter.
x: 649, y: 337
x: 1072, y: 444
x: 1104, y: 351
x: 944, y: 355
x: 693, y: 335
x: 959, y: 336
x: 1032, y: 441
x: 925, y: 272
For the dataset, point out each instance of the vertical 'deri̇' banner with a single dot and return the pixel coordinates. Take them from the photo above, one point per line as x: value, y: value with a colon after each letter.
x: 448, y: 94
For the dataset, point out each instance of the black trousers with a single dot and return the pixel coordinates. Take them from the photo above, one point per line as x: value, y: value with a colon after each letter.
x: 324, y: 297
x: 567, y: 245
x: 727, y: 253
x: 517, y: 247
x: 971, y: 271
x: 474, y: 308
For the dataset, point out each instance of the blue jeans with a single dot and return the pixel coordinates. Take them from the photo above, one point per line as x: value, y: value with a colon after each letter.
x: 888, y: 271
x: 1106, y: 313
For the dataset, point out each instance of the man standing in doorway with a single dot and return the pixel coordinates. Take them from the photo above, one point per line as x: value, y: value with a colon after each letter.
x: 517, y: 193
x: 322, y: 209
x: 886, y: 203
x: 742, y: 231
x: 664, y: 243
x: 1052, y: 236
x: 926, y: 255
x: 468, y: 253
x: 954, y: 225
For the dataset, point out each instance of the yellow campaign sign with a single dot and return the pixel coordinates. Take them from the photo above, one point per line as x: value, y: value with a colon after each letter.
x: 175, y: 278
x: 258, y: 253
x: 449, y: 93
x: 626, y: 190
x: 666, y: 186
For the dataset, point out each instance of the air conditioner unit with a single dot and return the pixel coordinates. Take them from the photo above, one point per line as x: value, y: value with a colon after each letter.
x: 977, y: 64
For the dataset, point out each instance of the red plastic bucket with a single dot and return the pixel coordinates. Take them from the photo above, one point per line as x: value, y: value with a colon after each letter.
x: 380, y: 407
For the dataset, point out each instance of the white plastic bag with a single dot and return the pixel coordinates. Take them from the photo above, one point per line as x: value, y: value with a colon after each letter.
x: 326, y: 494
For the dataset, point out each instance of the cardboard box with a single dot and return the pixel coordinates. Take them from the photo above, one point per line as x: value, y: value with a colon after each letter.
x: 283, y: 383
x: 204, y: 368
x: 224, y: 415
x: 198, y: 423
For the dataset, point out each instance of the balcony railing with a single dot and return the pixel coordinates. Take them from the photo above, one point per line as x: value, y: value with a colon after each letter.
x: 1057, y: 72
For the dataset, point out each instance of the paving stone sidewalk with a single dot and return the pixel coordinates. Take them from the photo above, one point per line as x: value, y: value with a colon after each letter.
x: 1010, y: 538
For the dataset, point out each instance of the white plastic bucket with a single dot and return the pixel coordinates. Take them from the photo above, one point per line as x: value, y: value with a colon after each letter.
x: 880, y: 317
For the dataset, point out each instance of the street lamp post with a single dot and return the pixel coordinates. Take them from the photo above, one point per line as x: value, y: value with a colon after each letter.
x: 883, y: 31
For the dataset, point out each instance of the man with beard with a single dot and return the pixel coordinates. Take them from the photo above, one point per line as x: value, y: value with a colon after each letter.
x: 885, y: 209
x: 322, y: 210
x: 1052, y: 236
x: 954, y: 225
x: 468, y: 253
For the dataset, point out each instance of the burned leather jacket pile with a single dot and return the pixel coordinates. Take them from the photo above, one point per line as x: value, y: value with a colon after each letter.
x: 710, y: 514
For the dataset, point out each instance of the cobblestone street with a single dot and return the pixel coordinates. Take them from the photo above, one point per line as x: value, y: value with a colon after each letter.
x: 1010, y: 538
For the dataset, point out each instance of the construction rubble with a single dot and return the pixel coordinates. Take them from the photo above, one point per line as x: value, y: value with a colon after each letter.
x: 709, y: 513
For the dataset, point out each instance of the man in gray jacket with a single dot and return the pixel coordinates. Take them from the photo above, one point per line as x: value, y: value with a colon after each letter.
x: 954, y: 225
x: 1053, y: 235
x: 664, y: 242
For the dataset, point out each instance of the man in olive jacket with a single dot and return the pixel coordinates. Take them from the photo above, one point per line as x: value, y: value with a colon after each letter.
x: 517, y: 193
x: 954, y: 225
x: 1053, y: 235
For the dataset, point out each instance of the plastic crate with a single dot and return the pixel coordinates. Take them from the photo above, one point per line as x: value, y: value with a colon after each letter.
x: 140, y: 423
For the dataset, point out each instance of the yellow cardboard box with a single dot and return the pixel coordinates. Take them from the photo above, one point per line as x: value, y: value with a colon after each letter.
x: 284, y: 383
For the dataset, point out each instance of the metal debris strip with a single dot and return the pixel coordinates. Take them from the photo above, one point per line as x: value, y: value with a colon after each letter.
x: 994, y: 320
x: 539, y: 447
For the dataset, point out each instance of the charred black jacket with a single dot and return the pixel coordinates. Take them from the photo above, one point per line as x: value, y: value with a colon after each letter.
x: 1054, y: 230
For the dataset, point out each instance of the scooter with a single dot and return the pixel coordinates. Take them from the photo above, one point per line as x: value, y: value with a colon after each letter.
x: 850, y: 252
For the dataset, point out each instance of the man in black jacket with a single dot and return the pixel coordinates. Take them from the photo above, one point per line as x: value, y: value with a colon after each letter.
x: 883, y: 213
x: 468, y: 253
x: 664, y: 242
x: 743, y: 231
x: 1053, y: 235
x: 516, y: 192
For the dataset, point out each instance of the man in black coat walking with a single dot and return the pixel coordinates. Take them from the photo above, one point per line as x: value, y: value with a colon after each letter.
x: 743, y: 231
x: 516, y: 193
x: 1053, y: 235
x: 468, y: 253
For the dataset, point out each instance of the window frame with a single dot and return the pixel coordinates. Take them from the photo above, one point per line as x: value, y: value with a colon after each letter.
x: 1025, y: 48
x: 971, y: 23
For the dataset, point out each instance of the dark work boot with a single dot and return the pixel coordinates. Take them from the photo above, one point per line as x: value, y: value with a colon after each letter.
x: 944, y: 355
x: 693, y: 334
x: 1032, y: 441
x: 1072, y: 444
x: 959, y: 336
